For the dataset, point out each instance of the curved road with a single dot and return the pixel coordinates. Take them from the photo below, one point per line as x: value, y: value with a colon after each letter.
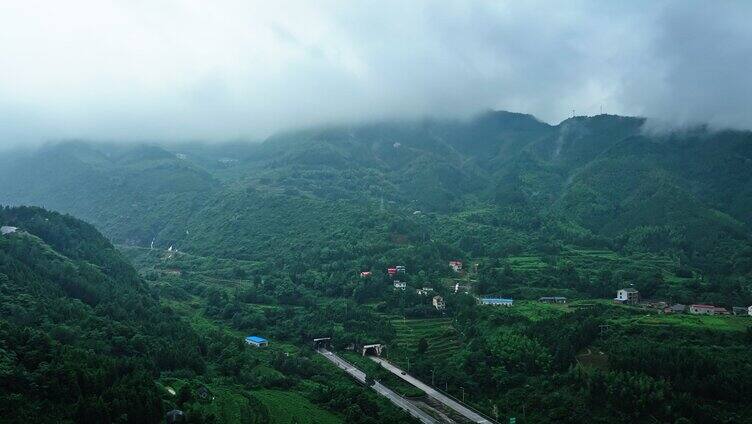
x: 380, y: 388
x: 430, y: 391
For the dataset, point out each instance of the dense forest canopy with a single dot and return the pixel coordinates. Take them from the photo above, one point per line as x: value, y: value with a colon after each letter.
x: 498, y: 185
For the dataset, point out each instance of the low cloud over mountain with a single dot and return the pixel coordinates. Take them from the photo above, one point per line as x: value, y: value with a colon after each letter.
x: 223, y: 70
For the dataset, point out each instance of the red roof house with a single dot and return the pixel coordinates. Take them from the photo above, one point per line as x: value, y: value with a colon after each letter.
x: 456, y: 265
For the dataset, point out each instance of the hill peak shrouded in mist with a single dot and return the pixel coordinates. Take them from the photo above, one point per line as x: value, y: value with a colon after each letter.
x: 157, y: 72
x: 602, y: 173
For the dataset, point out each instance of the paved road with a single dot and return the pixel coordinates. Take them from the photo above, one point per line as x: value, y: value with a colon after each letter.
x: 380, y: 388
x: 430, y: 391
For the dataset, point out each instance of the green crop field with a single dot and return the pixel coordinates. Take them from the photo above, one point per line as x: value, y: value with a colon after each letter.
x: 695, y: 322
x: 438, y: 332
x: 590, y: 259
x: 289, y: 408
x: 536, y: 311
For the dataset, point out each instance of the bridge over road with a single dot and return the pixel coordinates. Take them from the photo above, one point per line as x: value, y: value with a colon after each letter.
x: 430, y: 391
x: 378, y: 387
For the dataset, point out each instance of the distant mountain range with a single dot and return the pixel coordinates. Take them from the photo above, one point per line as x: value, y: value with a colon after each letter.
x: 503, y: 181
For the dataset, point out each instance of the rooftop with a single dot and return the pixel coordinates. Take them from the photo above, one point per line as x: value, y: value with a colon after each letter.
x: 496, y: 300
x: 257, y: 339
x: 7, y: 229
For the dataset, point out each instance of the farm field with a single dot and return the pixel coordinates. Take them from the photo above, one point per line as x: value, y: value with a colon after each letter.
x: 537, y: 311
x: 289, y: 408
x: 595, y: 259
x: 438, y: 332
x: 694, y: 322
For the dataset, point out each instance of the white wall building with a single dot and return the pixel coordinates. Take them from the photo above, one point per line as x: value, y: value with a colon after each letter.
x: 627, y: 296
x: 8, y: 230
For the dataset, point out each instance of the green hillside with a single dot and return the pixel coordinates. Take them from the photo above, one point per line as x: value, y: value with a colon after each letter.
x: 271, y: 238
x: 83, y: 338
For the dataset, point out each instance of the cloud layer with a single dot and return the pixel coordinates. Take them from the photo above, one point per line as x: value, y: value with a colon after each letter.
x: 196, y: 70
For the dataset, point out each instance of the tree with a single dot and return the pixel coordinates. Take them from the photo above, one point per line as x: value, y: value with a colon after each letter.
x: 422, y: 345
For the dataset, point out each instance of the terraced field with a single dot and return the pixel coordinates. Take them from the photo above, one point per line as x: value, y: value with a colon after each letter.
x: 694, y: 322
x: 289, y: 407
x: 441, y: 336
x: 585, y: 259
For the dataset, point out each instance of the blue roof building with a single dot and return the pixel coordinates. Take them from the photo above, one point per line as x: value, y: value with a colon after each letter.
x: 257, y: 341
x: 496, y: 301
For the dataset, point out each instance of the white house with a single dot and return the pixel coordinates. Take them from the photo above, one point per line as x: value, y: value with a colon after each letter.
x: 700, y: 309
x: 749, y: 311
x: 629, y: 295
x: 8, y: 230
x: 400, y: 285
x: 438, y: 303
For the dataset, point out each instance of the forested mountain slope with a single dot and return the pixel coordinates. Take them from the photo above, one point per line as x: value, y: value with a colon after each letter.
x: 84, y: 339
x: 597, y: 181
x: 80, y: 335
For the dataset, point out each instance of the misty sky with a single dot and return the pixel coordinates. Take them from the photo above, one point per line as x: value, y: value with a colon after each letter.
x: 219, y: 70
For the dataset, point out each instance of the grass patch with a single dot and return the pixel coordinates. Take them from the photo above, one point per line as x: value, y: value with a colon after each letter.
x: 692, y: 322
x: 593, y: 358
x: 537, y: 311
x: 439, y: 333
x: 289, y: 407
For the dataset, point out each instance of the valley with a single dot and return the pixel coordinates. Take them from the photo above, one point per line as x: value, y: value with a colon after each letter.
x: 393, y: 234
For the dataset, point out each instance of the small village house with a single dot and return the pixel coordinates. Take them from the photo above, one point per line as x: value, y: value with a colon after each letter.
x: 701, y: 309
x: 391, y: 271
x: 257, y: 341
x: 424, y: 291
x: 400, y: 285
x: 5, y: 229
x: 739, y: 310
x: 552, y: 299
x: 203, y: 393
x: 438, y: 303
x: 496, y: 301
x: 628, y: 296
x: 456, y: 265
x: 749, y: 311
x: 678, y: 308
x: 400, y: 269
x: 365, y: 274
x: 175, y: 416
